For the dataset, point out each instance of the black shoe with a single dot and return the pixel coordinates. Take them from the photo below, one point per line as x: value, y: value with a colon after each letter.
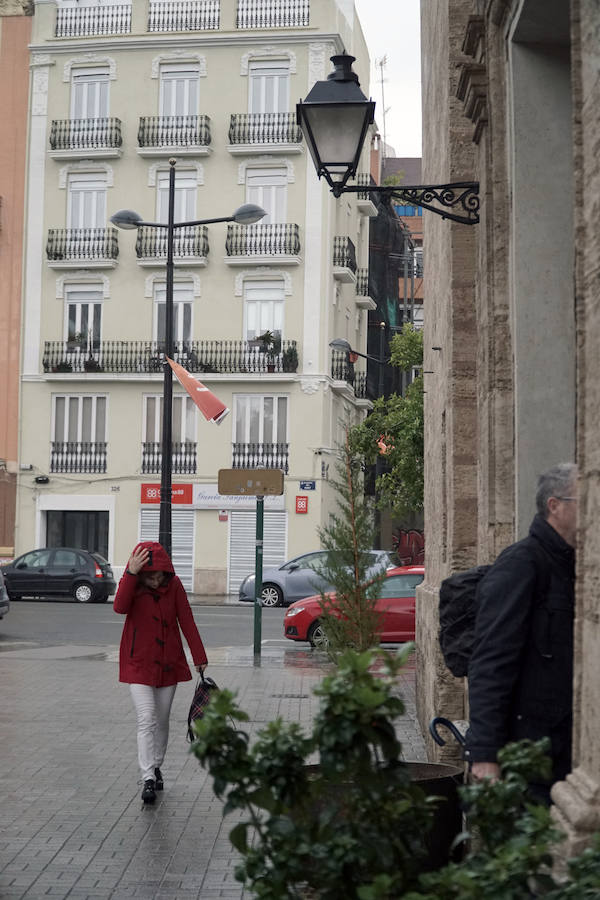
x: 149, y: 794
x: 158, y: 779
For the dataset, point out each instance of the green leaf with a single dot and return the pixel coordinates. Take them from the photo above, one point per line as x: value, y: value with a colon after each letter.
x: 239, y: 837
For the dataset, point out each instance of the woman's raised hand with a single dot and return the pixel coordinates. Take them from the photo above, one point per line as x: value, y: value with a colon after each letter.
x: 138, y: 560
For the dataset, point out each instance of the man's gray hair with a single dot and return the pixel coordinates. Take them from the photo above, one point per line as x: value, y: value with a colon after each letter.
x: 558, y: 481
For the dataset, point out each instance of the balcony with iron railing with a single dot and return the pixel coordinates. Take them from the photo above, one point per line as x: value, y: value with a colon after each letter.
x: 343, y: 371
x: 273, y: 13
x: 73, y: 247
x: 77, y: 21
x: 147, y: 357
x: 183, y: 457
x: 344, y: 259
x: 275, y: 243
x: 364, y: 203
x: 259, y: 132
x: 184, y: 15
x: 163, y: 135
x: 72, y: 138
x: 78, y: 457
x: 260, y: 456
x: 363, y: 290
x: 190, y: 245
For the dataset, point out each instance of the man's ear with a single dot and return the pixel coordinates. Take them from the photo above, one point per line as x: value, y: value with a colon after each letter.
x: 552, y: 504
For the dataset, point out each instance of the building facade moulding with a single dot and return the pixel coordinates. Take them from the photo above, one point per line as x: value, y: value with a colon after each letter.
x: 262, y: 162
x: 90, y: 59
x: 266, y: 53
x: 472, y: 84
x: 263, y: 273
x: 179, y: 56
x: 183, y: 165
x: 310, y: 385
x: 85, y: 165
x: 178, y: 276
x: 82, y: 276
x: 16, y: 8
x: 318, y: 57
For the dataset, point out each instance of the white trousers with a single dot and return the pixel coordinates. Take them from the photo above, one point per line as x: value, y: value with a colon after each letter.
x: 153, y: 708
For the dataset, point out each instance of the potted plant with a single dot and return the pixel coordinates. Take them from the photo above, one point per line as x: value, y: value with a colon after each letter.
x: 77, y: 341
x: 63, y: 366
x: 92, y: 365
x: 270, y: 345
x: 289, y: 359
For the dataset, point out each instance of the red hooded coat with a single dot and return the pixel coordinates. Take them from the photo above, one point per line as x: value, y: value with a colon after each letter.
x: 151, y: 650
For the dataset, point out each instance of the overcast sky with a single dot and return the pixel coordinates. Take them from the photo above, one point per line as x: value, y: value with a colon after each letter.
x: 392, y: 29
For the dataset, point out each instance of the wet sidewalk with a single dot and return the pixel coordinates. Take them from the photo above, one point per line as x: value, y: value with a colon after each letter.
x: 73, y: 825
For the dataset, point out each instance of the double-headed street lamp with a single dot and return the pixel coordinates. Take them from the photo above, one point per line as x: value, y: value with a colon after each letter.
x: 247, y: 214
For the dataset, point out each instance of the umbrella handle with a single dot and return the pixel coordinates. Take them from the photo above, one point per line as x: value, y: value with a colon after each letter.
x: 440, y: 720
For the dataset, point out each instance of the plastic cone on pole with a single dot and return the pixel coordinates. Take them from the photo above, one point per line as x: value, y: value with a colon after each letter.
x: 210, y: 406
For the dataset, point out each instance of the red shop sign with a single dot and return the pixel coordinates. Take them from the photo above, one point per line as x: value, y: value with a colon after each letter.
x: 181, y: 493
x: 301, y: 504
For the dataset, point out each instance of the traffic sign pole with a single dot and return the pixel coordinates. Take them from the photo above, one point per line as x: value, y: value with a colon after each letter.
x: 258, y: 573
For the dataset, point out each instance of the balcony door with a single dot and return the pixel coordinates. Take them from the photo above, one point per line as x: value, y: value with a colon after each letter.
x: 260, y: 419
x: 186, y: 188
x: 184, y: 419
x: 269, y: 87
x: 86, y: 201
x: 182, y: 314
x: 89, y: 93
x: 84, y: 319
x: 267, y: 187
x: 263, y: 308
x: 79, y: 419
x: 179, y: 90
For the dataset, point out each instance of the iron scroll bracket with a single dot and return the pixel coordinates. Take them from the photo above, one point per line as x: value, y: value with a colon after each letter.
x: 460, y: 195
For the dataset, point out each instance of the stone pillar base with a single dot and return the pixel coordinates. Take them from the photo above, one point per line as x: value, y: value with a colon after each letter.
x: 576, y: 813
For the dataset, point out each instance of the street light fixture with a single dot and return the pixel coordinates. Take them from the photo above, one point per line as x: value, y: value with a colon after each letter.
x: 335, y: 118
x: 247, y: 214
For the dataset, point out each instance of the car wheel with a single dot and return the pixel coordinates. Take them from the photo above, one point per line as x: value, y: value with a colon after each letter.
x: 82, y: 592
x: 317, y: 636
x: 271, y: 595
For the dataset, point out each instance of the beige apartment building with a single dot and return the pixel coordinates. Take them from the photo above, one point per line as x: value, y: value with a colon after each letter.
x: 117, y: 90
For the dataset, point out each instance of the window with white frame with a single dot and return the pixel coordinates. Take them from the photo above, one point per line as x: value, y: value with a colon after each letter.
x: 86, y: 200
x: 83, y: 315
x: 79, y: 418
x: 263, y: 308
x: 267, y: 187
x: 260, y: 419
x: 269, y: 86
x: 184, y: 419
x: 186, y: 187
x: 89, y: 93
x: 183, y: 302
x: 179, y: 90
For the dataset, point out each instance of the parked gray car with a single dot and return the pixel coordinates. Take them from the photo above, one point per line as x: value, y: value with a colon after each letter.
x: 297, y: 578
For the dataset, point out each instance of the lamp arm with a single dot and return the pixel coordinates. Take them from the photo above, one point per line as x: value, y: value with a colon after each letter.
x: 461, y: 194
x: 186, y: 224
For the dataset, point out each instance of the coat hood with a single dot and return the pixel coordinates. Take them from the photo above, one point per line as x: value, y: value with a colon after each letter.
x: 159, y: 561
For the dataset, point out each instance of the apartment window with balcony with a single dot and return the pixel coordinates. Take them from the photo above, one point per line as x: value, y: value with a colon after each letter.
x: 183, y: 435
x: 78, y: 433
x: 263, y: 308
x: 86, y: 201
x: 267, y: 187
x: 89, y: 93
x: 269, y: 87
x: 260, y: 431
x: 183, y: 299
x: 83, y: 313
x: 179, y: 90
x: 186, y: 187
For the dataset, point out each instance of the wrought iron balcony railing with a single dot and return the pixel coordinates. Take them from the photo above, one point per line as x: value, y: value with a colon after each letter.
x: 76, y: 21
x: 344, y: 253
x: 363, y: 178
x: 343, y: 370
x: 85, y: 134
x: 184, y: 15
x: 82, y: 244
x: 262, y: 240
x: 264, y: 128
x: 253, y: 456
x: 223, y: 357
x: 362, y: 282
x: 78, y: 456
x: 188, y: 242
x: 183, y: 457
x: 174, y: 131
x: 272, y: 13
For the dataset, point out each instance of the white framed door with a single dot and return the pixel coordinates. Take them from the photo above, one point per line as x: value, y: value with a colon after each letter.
x: 86, y: 202
x: 269, y: 87
x: 267, y: 187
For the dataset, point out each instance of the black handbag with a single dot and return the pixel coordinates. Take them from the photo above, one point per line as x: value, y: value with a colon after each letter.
x: 202, y: 695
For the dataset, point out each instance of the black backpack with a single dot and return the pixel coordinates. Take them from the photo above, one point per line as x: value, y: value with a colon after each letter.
x: 458, y: 611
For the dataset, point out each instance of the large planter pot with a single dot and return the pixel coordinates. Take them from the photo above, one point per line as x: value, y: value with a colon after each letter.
x: 440, y: 780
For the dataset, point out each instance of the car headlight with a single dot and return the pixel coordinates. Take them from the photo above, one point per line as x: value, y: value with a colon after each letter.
x: 294, y: 612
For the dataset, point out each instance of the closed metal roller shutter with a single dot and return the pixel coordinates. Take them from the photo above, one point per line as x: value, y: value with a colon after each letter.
x: 242, y: 540
x: 182, y: 521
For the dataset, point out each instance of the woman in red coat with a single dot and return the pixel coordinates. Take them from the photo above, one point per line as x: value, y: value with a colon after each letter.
x: 151, y: 656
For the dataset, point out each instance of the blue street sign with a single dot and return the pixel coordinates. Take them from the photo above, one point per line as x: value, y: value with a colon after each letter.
x: 308, y: 485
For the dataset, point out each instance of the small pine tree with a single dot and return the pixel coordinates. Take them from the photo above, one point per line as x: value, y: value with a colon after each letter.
x: 349, y: 617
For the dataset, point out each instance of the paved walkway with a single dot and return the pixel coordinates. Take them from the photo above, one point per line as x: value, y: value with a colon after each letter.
x: 72, y: 824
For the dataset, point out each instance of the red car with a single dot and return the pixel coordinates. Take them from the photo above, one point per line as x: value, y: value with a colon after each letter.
x: 396, y: 603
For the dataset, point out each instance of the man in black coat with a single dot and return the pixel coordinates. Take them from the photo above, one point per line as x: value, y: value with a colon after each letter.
x: 521, y: 668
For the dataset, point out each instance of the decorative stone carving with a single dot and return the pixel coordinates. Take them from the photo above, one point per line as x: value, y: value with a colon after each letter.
x: 82, y: 276
x: 179, y: 56
x: 576, y: 811
x: 178, y: 277
x: 310, y: 385
x: 182, y: 165
x: 318, y: 56
x: 16, y: 8
x: 40, y: 63
x: 263, y: 273
x: 90, y: 59
x: 472, y: 84
x: 268, y: 53
x: 85, y: 165
x: 266, y: 162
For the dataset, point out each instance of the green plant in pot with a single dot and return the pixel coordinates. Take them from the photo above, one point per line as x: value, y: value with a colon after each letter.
x: 289, y: 359
x: 270, y: 345
x: 350, y: 819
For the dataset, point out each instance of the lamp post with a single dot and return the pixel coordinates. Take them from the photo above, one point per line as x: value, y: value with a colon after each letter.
x: 247, y: 214
x: 335, y: 118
